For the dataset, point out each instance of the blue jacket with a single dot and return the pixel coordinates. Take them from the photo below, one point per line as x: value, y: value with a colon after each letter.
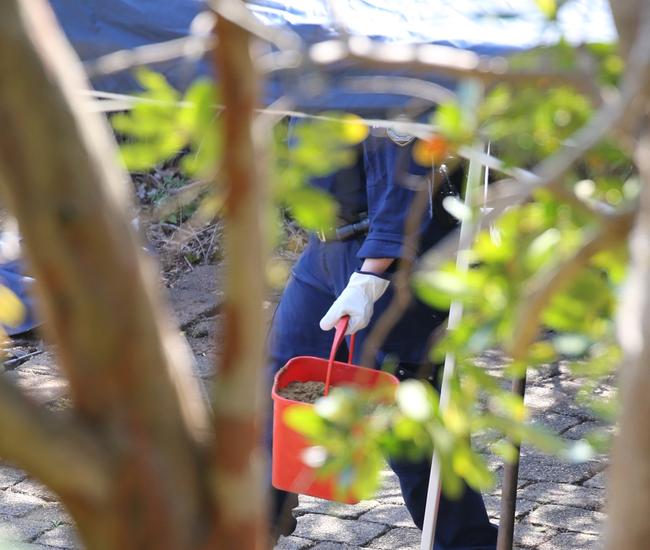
x: 383, y: 183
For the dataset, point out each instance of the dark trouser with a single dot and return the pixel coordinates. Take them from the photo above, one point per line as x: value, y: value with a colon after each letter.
x: 320, y: 275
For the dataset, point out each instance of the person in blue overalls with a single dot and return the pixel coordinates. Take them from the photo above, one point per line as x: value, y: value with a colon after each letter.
x: 351, y: 276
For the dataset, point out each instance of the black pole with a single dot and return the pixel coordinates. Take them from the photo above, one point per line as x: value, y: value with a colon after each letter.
x: 509, y: 486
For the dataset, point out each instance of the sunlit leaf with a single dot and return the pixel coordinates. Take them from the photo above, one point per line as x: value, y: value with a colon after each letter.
x: 304, y: 420
x: 413, y: 400
x: 354, y: 129
x: 571, y: 345
x: 12, y: 310
x: 312, y: 208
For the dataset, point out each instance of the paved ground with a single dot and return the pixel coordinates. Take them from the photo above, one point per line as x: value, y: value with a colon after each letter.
x: 558, y: 504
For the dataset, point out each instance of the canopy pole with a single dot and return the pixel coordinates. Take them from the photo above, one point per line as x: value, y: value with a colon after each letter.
x: 467, y: 231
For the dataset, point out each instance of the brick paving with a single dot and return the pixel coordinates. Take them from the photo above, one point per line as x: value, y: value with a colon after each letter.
x: 559, y: 505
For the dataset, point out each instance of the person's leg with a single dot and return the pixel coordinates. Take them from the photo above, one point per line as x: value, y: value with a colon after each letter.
x: 463, y: 524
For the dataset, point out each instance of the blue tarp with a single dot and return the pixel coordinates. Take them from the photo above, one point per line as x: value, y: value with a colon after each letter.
x: 98, y: 27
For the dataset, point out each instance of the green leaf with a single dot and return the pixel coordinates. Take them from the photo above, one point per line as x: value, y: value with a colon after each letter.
x: 449, y: 120
x: 506, y: 450
x: 571, y: 345
x: 312, y: 208
x: 304, y: 420
x: 414, y: 400
x: 542, y: 248
x: 12, y: 310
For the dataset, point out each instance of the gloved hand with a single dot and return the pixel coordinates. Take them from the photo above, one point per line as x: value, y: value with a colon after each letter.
x: 357, y: 300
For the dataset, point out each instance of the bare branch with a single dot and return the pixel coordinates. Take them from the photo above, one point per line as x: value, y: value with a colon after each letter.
x: 123, y: 60
x: 237, y: 13
x: 548, y: 283
x: 50, y: 448
x: 412, y: 87
x: 434, y: 59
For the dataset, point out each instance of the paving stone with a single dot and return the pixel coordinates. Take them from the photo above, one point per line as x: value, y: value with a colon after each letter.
x: 31, y: 546
x: 62, y: 536
x: 31, y: 487
x: 43, y: 363
x: 493, y: 506
x: 312, y: 505
x: 599, y: 481
x: 586, y: 428
x: 293, y: 543
x: 389, y: 514
x: 390, y: 489
x: 544, y: 398
x: 20, y: 529
x: 564, y: 494
x: 196, y: 294
x: 10, y: 476
x: 41, y: 387
x: 527, y: 535
x: 336, y: 546
x: 51, y: 512
x: 326, y: 528
x: 16, y: 504
x: 333, y: 546
x: 557, y: 423
x: 400, y: 538
x: 538, y: 467
x: 568, y: 518
x: 571, y: 541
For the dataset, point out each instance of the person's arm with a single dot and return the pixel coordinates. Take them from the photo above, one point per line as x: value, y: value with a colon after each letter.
x: 391, y: 179
x: 388, y: 168
x: 376, y: 265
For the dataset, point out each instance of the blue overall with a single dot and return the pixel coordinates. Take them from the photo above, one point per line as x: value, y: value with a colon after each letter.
x: 321, y: 274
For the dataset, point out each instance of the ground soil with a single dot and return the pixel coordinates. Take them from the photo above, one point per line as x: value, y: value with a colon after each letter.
x: 303, y: 392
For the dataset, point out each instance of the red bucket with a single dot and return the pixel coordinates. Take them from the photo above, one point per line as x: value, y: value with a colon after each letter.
x: 289, y: 472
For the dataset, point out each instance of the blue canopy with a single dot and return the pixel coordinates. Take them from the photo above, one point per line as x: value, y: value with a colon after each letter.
x: 98, y: 27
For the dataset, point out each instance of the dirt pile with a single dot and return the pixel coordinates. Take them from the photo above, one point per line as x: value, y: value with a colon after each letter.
x: 304, y: 392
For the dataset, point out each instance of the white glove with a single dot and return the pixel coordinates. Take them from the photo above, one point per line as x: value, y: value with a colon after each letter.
x: 357, y: 300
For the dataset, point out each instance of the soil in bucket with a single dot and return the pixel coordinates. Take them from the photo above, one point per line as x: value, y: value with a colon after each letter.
x: 304, y: 392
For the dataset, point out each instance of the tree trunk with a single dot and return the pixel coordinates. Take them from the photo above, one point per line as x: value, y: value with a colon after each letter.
x: 628, y: 501
x: 135, y: 436
x: 239, y: 401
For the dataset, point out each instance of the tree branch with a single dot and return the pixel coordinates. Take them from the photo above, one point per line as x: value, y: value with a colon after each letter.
x: 241, y: 397
x: 123, y: 60
x: 50, y: 447
x: 436, y: 59
x: 128, y: 369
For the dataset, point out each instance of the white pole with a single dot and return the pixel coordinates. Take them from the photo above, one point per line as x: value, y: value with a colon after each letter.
x: 467, y: 231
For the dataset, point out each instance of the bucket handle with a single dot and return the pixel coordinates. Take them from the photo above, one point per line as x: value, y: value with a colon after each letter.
x: 341, y: 327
